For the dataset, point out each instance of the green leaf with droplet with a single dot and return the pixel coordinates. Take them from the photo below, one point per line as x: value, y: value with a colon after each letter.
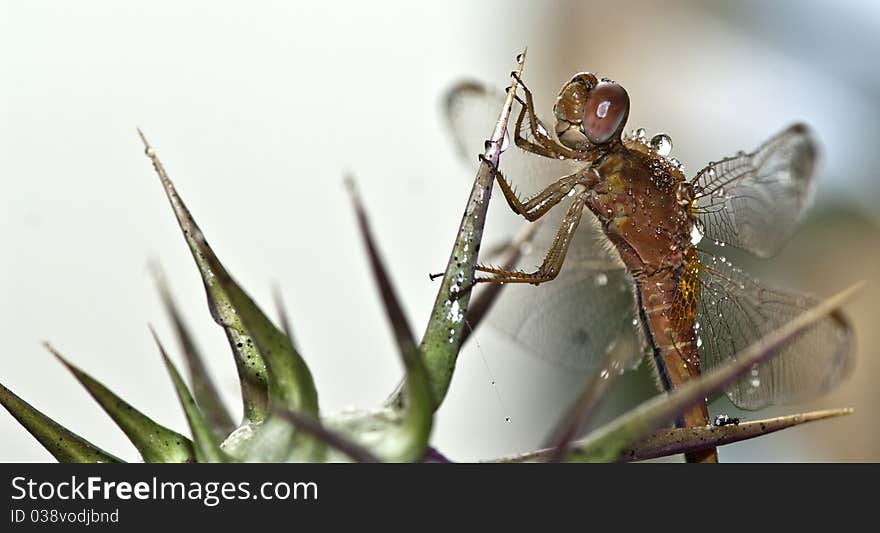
x: 205, y: 443
x: 443, y: 335
x: 155, y: 443
x: 65, y: 445
x: 248, y: 359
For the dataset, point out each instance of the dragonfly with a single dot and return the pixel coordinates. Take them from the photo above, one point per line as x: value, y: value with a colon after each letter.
x: 620, y: 255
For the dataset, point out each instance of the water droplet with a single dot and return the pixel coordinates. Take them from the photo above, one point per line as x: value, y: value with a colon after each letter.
x: 640, y: 134
x: 601, y: 279
x: 542, y: 130
x: 604, y: 373
x: 662, y: 144
x: 699, y: 341
x: 756, y: 383
x: 454, y: 314
x: 507, y: 419
x: 696, y: 235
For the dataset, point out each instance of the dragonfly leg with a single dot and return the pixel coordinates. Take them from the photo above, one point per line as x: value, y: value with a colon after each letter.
x: 554, y: 258
x: 537, y: 206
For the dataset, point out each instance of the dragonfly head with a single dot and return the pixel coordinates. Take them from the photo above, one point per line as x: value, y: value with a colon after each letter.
x: 590, y: 111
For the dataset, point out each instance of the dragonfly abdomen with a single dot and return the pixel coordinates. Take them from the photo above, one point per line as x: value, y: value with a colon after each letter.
x: 671, y: 336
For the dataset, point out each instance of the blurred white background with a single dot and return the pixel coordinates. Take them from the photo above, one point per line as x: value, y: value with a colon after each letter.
x: 257, y: 109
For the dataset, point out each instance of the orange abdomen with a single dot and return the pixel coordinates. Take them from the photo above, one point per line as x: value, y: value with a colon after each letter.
x: 669, y: 321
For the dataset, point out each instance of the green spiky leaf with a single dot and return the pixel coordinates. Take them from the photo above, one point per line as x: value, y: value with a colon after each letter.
x: 290, y: 381
x: 248, y: 358
x: 203, y: 389
x: 65, y: 445
x: 443, y: 335
x: 673, y: 441
x: 205, y: 442
x: 155, y: 443
x: 409, y: 442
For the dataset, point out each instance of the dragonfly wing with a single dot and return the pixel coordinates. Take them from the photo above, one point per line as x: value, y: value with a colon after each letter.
x: 471, y: 110
x: 579, y: 317
x: 753, y: 201
x: 735, y: 310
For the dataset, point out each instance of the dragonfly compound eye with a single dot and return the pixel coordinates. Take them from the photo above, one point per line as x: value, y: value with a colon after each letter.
x: 605, y: 111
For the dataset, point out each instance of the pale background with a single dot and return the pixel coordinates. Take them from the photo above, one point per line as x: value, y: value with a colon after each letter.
x: 257, y: 110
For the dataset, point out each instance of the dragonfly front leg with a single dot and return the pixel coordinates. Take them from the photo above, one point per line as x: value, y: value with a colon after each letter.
x: 555, y: 256
x: 546, y: 145
x: 537, y: 206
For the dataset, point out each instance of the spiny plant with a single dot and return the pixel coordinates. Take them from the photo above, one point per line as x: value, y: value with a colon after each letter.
x: 281, y: 416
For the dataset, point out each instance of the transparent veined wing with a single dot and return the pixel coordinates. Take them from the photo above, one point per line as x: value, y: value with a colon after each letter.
x: 736, y: 310
x: 471, y: 111
x: 753, y: 201
x: 586, y: 312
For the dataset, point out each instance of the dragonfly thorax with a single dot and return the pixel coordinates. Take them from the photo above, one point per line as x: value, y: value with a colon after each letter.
x: 640, y: 201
